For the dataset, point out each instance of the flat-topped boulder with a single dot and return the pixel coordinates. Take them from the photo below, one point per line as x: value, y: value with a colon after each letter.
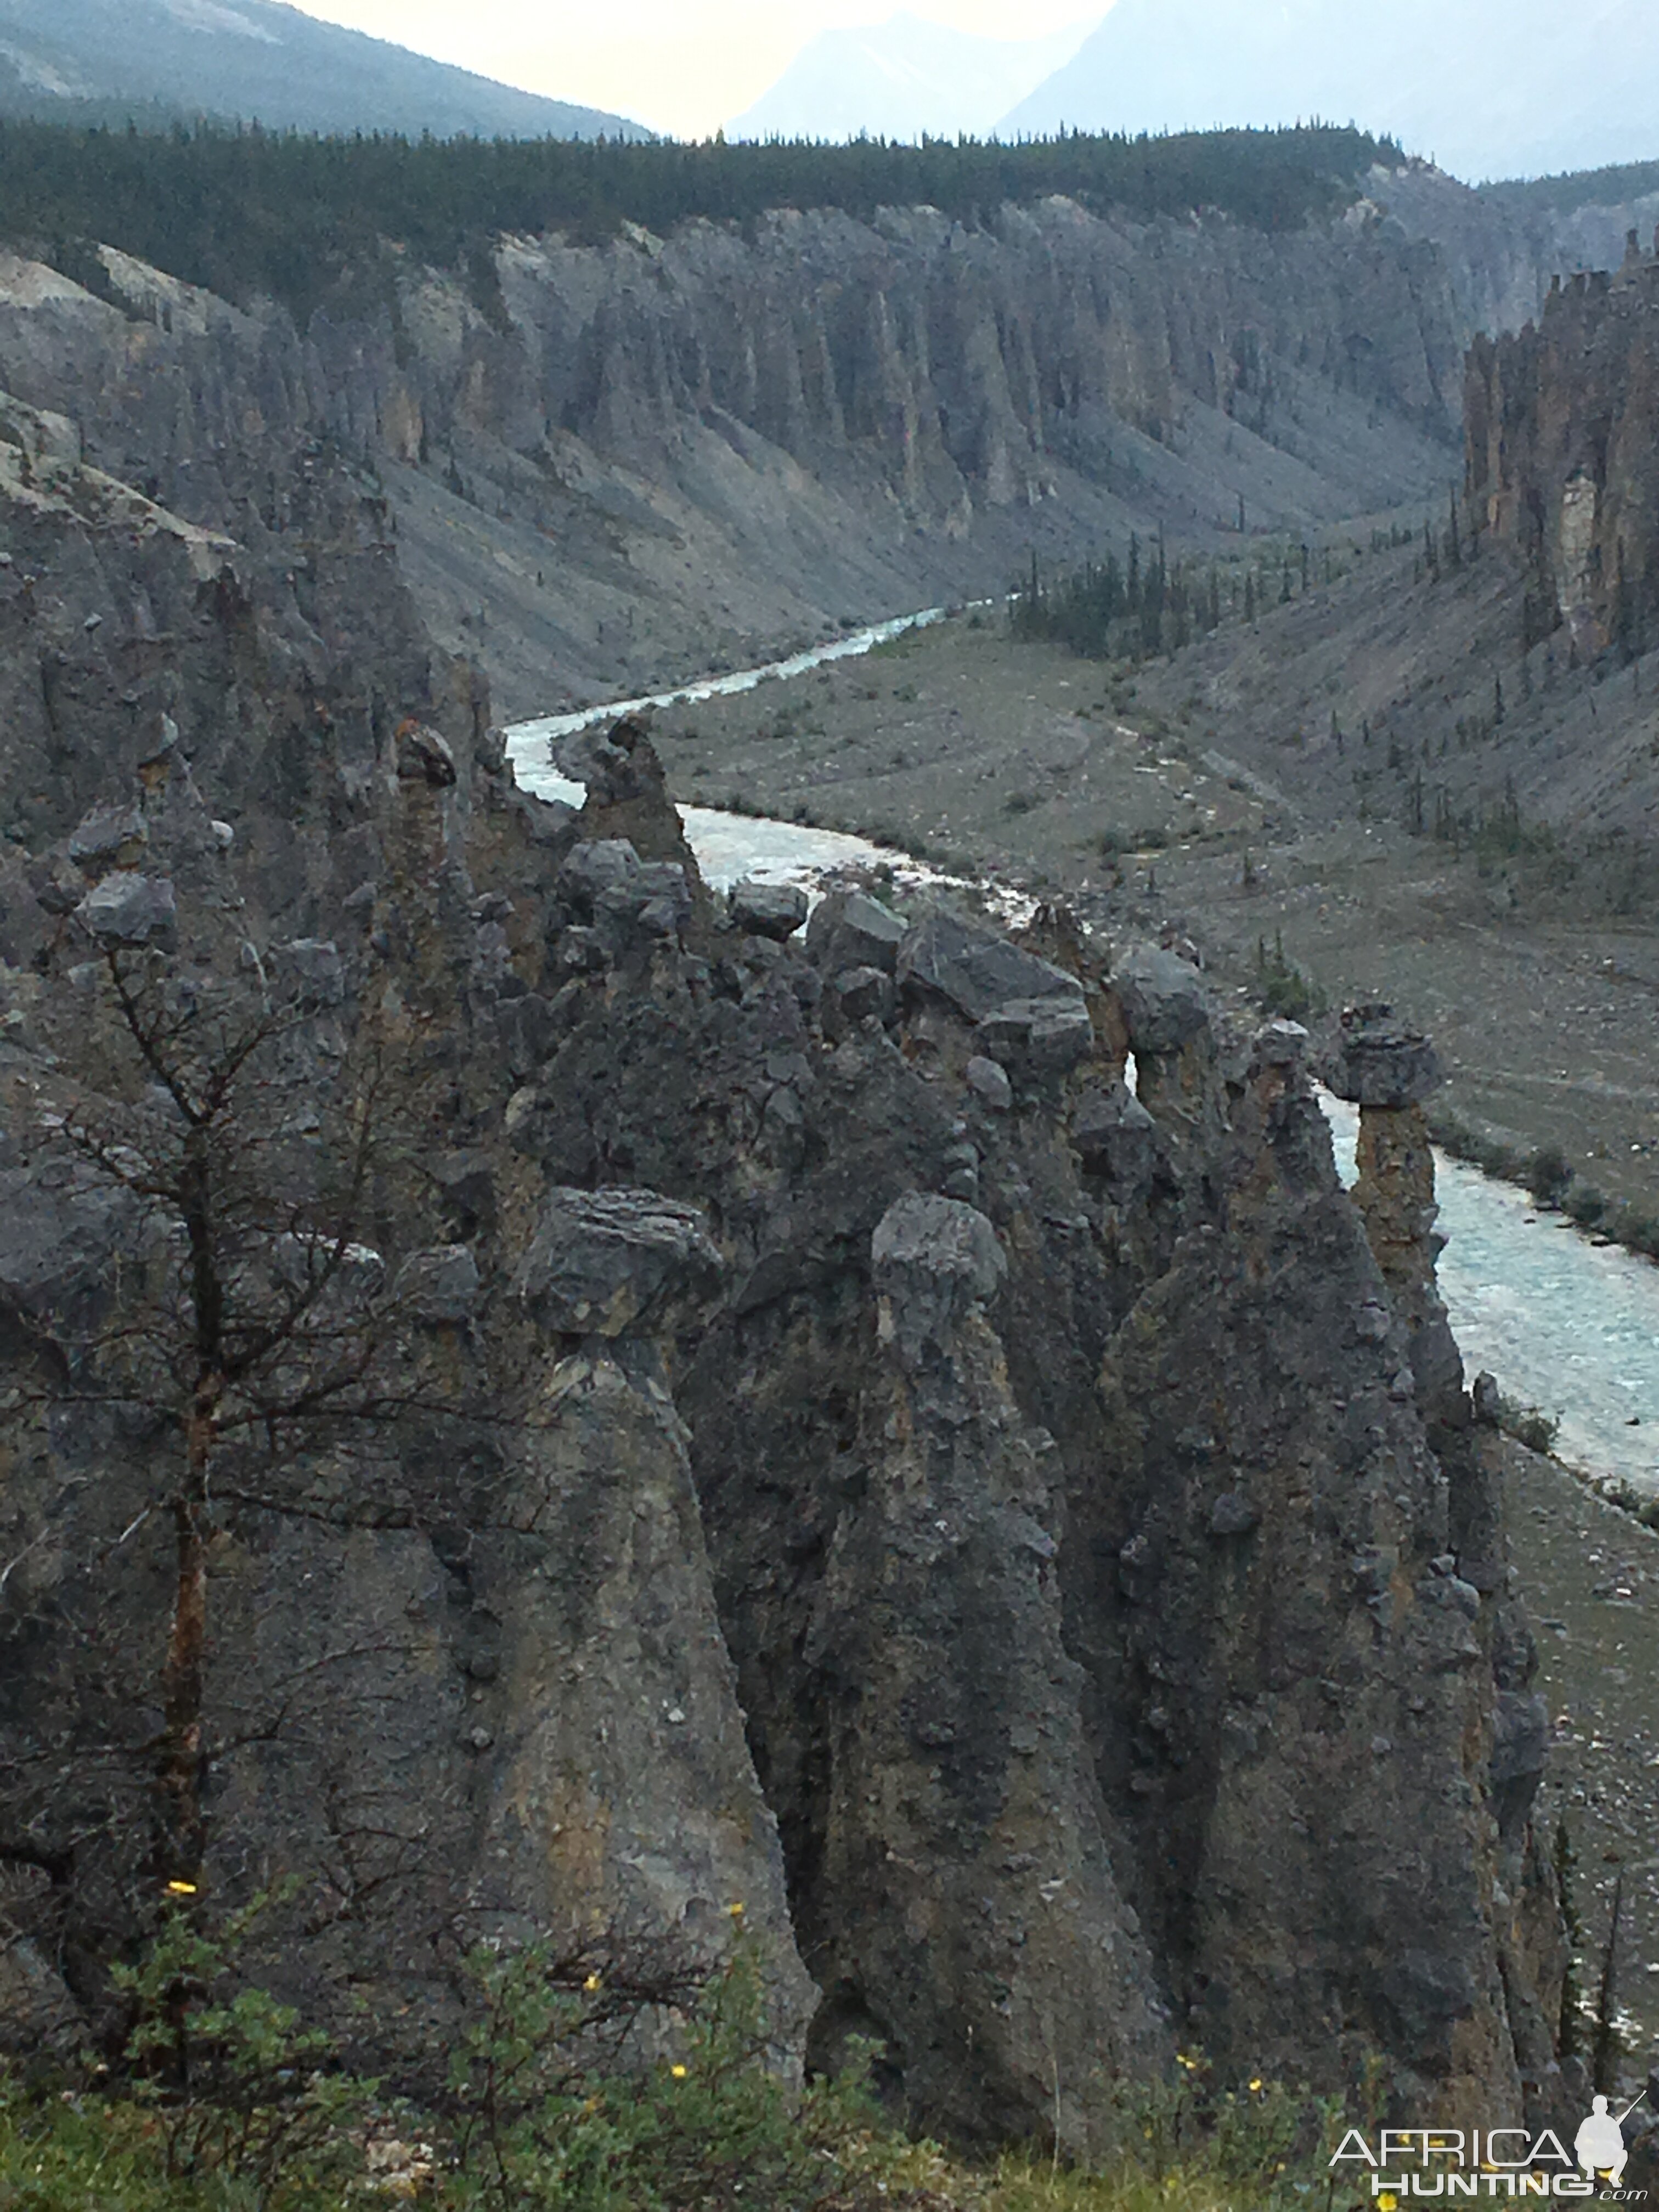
x: 976, y: 971
x: 1039, y: 1037
x: 775, y: 910
x: 850, y: 930
x: 1374, y: 1060
x: 605, y: 1263
x: 1162, y: 997
x: 126, y: 908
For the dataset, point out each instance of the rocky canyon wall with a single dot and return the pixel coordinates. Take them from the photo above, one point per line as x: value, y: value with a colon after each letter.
x: 1562, y: 431
x: 613, y: 464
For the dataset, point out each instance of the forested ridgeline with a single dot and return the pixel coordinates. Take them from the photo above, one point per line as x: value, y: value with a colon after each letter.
x: 251, y: 212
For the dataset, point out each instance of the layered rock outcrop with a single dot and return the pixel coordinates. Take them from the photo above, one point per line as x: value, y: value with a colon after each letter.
x: 635, y: 457
x: 1562, y: 434
x: 843, y: 1453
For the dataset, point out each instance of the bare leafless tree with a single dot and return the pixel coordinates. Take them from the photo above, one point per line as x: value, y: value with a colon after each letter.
x: 251, y: 1135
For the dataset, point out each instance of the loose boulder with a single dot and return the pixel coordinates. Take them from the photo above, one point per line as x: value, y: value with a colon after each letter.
x: 439, y: 1286
x: 932, y: 1260
x: 605, y: 1262
x: 1041, y: 1037
x: 775, y: 910
x: 1163, y: 1000
x: 849, y: 930
x: 974, y: 970
x: 124, y: 908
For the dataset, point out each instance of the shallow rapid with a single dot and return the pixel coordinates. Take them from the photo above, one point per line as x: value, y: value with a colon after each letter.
x: 1564, y: 1324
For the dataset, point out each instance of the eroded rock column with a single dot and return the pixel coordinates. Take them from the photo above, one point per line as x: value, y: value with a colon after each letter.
x: 1389, y: 1071
x: 621, y: 1793
x: 967, y: 1911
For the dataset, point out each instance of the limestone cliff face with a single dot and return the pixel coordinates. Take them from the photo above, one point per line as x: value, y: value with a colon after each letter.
x: 1562, y: 433
x: 638, y: 459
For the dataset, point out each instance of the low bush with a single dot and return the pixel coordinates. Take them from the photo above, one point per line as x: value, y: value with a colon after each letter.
x: 1586, y: 1205
x: 1282, y: 988
x: 591, y: 2083
x: 1549, y: 1175
x: 1528, y: 1425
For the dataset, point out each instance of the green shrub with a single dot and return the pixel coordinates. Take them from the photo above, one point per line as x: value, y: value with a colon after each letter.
x: 608, y: 2081
x: 1282, y: 988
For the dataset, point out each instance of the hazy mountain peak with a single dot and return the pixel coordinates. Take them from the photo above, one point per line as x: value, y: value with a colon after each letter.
x: 211, y: 15
x: 1489, y: 88
x: 96, y: 60
x: 903, y: 78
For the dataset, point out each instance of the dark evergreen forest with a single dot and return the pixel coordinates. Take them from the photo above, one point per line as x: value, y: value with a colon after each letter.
x: 251, y: 212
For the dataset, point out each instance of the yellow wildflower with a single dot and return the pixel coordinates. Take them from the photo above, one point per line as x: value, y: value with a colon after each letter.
x: 1387, y: 2202
x: 678, y: 2073
x: 181, y: 1889
x: 1256, y: 2084
x: 736, y: 1910
x: 592, y: 1984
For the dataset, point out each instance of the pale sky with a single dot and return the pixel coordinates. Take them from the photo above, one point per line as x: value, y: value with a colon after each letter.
x: 683, y: 66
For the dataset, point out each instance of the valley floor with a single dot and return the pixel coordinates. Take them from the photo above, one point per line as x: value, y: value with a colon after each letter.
x: 1212, y: 793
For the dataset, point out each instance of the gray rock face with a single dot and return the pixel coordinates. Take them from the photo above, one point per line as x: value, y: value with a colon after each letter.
x: 609, y: 1262
x: 1038, y: 1036
x: 1116, y: 1140
x: 1165, y: 1006
x: 849, y: 930
x: 107, y: 836
x: 1374, y: 1061
x: 974, y: 972
x: 124, y: 908
x: 616, y: 1787
x: 441, y: 1285
x: 775, y: 910
x: 962, y: 1795
x: 313, y: 966
x: 981, y: 1654
x: 933, y: 1260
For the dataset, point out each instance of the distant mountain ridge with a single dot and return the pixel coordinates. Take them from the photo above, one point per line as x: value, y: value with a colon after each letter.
x: 1487, y: 88
x: 904, y: 77
x: 255, y: 61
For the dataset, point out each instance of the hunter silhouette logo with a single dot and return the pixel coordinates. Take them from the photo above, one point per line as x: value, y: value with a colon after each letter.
x: 1599, y: 2145
x: 1504, y: 2163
